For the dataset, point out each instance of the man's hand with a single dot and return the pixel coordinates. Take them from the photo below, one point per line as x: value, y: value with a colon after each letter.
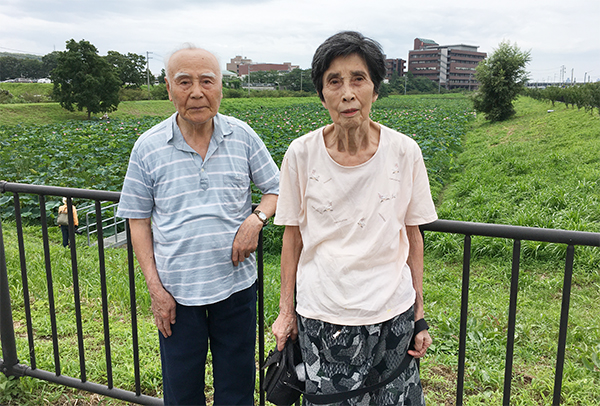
x: 286, y: 326
x: 246, y: 239
x: 422, y: 342
x: 163, y: 308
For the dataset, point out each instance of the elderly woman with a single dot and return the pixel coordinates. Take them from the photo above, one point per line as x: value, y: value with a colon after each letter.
x: 352, y: 197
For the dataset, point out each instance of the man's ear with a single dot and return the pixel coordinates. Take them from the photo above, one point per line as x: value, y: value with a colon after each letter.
x: 168, y: 88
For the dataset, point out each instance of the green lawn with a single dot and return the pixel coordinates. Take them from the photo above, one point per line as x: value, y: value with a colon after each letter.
x: 539, y: 169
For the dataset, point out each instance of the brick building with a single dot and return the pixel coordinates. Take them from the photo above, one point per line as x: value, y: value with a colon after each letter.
x: 394, y: 65
x: 451, y: 66
x: 234, y: 64
x: 240, y: 66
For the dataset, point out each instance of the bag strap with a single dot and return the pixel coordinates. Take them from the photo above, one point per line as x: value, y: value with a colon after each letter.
x: 323, y: 399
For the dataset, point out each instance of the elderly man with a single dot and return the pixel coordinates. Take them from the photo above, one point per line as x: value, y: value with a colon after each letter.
x: 187, y: 197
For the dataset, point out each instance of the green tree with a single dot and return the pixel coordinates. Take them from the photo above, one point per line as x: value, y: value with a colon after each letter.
x: 85, y: 80
x: 9, y: 68
x: 298, y: 79
x: 264, y: 77
x: 50, y: 61
x: 161, y: 77
x: 130, y: 68
x: 502, y: 77
x: 397, y: 83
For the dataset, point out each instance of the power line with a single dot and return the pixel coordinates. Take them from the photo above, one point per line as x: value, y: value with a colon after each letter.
x: 23, y: 52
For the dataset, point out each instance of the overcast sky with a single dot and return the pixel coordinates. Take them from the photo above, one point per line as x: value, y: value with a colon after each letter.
x: 558, y: 33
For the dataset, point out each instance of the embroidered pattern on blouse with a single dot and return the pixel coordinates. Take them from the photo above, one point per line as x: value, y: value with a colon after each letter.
x: 383, y: 198
x: 323, y: 209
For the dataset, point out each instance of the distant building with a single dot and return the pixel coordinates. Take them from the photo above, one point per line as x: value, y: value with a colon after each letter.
x: 234, y: 64
x: 266, y: 67
x: 394, y: 65
x: 451, y: 66
x: 240, y: 66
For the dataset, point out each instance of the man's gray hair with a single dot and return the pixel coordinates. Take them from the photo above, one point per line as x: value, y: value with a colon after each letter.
x: 182, y: 47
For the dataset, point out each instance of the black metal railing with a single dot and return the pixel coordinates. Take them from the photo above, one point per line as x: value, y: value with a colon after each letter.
x: 517, y: 234
x: 10, y: 363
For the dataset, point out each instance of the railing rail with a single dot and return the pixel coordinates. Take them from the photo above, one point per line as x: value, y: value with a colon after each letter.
x: 110, y: 223
x: 10, y: 363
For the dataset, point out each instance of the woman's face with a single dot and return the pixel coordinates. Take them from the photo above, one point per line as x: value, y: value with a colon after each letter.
x: 348, y: 91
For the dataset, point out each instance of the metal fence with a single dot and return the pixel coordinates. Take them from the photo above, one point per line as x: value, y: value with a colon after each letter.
x: 11, y: 366
x: 112, y: 225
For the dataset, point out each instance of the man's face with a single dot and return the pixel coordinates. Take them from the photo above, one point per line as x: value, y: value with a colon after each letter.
x: 194, y: 85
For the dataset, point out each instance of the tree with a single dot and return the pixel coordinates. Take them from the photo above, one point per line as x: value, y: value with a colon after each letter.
x: 161, y: 77
x: 9, y: 68
x: 298, y: 79
x: 83, y: 79
x: 397, y: 83
x: 130, y: 68
x: 50, y: 62
x: 502, y: 78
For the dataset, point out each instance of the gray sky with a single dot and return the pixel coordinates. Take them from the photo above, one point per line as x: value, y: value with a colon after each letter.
x: 558, y: 33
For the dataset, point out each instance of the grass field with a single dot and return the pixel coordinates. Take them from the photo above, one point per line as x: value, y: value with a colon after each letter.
x: 540, y: 169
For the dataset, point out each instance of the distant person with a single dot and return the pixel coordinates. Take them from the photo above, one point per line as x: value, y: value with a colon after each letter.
x: 188, y: 200
x: 63, y: 221
x: 352, y: 197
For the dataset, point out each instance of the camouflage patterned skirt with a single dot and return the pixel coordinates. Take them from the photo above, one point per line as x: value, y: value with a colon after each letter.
x: 343, y: 358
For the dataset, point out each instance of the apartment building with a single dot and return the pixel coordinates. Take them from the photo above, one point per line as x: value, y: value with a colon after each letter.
x: 394, y: 65
x: 451, y: 66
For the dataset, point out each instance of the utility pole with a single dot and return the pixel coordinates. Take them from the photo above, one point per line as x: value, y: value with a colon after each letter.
x: 148, y: 71
x: 572, y: 70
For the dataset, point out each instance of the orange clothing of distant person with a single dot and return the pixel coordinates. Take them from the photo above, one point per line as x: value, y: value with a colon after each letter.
x: 63, y: 209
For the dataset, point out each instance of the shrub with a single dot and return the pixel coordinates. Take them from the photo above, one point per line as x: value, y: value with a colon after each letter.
x: 502, y: 77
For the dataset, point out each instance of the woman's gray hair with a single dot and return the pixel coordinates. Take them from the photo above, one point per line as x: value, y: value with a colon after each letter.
x: 343, y: 44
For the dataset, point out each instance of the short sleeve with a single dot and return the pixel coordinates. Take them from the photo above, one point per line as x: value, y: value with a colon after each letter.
x: 289, y: 204
x: 137, y: 199
x: 421, y: 209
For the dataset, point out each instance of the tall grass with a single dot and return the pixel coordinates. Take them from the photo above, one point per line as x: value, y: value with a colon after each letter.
x: 539, y: 169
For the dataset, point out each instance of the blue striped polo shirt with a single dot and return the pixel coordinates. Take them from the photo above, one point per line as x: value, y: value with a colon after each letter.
x: 197, y: 205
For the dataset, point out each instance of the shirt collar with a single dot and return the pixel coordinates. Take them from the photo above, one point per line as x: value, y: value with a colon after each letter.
x: 222, y: 128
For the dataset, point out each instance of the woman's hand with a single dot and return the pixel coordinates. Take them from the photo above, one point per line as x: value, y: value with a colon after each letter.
x: 422, y: 342
x: 286, y: 326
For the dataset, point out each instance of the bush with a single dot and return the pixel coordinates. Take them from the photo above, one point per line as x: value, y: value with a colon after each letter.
x: 502, y: 77
x: 5, y: 96
x: 159, y: 92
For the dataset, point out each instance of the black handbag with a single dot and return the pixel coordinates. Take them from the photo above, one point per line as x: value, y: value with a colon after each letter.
x: 283, y: 387
x: 281, y: 383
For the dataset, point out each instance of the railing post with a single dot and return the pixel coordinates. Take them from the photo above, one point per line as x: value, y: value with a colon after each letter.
x: 512, y: 321
x: 464, y: 311
x: 7, y: 332
x: 261, y: 317
x: 564, y: 321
